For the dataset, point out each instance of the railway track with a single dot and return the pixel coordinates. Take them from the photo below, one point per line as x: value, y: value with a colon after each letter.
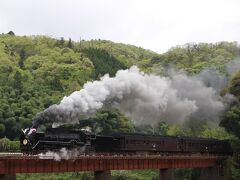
x: 59, y: 156
x: 4, y: 154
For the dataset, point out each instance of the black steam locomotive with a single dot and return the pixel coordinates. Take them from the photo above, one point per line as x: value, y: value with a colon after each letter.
x: 56, y: 138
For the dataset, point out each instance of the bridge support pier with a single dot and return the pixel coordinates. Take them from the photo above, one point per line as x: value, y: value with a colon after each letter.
x: 221, y: 171
x: 211, y: 173
x: 8, y: 176
x: 102, y: 175
x: 217, y: 172
x: 166, y: 174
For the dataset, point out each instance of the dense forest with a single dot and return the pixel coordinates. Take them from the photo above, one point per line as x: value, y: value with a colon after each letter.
x: 38, y: 71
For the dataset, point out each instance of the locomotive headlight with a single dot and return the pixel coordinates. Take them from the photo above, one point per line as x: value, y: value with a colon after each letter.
x: 25, y: 141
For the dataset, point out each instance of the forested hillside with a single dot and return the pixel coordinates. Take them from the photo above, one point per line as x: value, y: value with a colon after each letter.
x: 37, y: 71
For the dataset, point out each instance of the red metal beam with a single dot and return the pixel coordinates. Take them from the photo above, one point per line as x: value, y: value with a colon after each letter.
x: 33, y: 164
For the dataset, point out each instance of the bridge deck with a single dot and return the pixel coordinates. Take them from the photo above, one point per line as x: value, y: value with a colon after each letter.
x: 12, y: 164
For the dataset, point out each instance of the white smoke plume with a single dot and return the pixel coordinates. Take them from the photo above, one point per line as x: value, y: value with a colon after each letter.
x: 144, y: 98
x: 62, y: 154
x: 209, y: 103
x: 233, y: 66
x: 213, y: 78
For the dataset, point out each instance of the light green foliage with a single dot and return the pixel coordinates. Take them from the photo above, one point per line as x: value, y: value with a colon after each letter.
x: 178, y: 130
x: 56, y: 176
x: 194, y: 57
x: 135, y: 175
x: 9, y: 146
x: 163, y: 128
x: 192, y: 127
x: 217, y: 133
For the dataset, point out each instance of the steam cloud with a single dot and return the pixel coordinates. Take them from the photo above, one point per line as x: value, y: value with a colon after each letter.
x: 144, y: 98
x: 233, y: 66
x: 62, y: 154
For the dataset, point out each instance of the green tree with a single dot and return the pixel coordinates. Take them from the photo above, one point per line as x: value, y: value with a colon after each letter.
x: 235, y: 85
x: 108, y: 121
x: 217, y: 133
x: 163, y: 128
x: 231, y: 120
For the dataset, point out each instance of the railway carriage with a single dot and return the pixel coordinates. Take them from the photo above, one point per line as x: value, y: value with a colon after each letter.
x: 146, y: 142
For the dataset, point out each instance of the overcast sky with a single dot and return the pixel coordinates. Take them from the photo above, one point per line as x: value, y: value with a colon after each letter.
x: 152, y: 24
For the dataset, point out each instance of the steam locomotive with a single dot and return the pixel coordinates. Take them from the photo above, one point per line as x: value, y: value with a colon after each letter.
x: 54, y: 139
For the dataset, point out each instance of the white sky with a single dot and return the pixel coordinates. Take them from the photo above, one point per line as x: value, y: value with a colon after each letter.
x: 152, y: 24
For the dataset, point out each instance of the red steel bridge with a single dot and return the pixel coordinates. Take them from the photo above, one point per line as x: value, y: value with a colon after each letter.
x: 212, y: 166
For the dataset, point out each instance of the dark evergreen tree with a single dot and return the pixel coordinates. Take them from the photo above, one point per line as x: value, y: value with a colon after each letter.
x: 22, y: 58
x: 11, y: 33
x: 103, y: 62
x: 17, y: 83
x: 70, y: 45
x: 62, y: 41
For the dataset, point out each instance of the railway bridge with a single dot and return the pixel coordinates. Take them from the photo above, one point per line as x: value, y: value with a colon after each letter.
x: 212, y: 167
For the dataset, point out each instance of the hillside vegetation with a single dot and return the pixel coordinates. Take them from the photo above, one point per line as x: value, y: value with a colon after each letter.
x: 38, y: 71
